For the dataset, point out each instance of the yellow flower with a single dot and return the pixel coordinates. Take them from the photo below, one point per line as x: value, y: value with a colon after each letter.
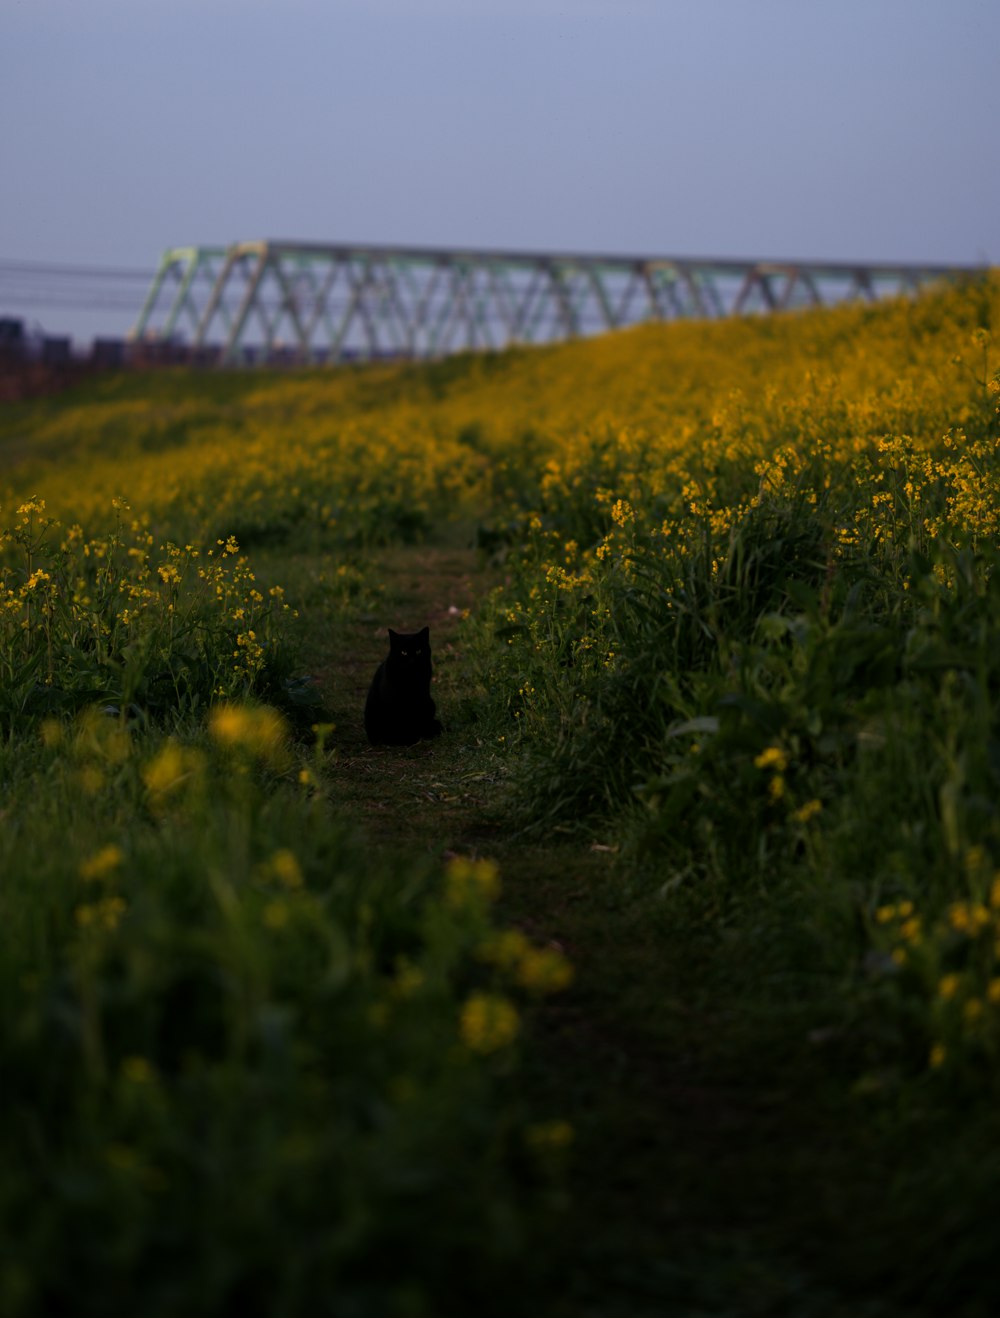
x: 38, y: 575
x: 544, y: 970
x: 138, y: 1071
x: 409, y: 979
x: 772, y: 758
x: 101, y: 864
x: 543, y: 1136
x: 968, y: 917
x: 90, y: 779
x: 948, y: 986
x: 910, y: 929
x: 808, y: 811
x: 52, y: 732
x: 937, y: 1056
x: 105, y: 914
x: 972, y: 1011
x: 506, y: 948
x: 276, y: 915
x: 776, y: 787
x: 958, y: 916
x: 171, y: 768
x: 469, y: 881
x: 285, y: 867
x: 622, y: 512
x: 488, y: 1023
x: 258, y: 730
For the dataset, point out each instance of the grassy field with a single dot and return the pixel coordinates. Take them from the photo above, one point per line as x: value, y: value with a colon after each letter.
x: 666, y: 981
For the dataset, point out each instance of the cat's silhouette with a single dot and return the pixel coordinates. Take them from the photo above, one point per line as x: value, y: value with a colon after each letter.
x: 399, y: 709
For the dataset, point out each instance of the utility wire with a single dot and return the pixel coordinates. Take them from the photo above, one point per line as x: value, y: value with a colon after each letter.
x: 71, y: 287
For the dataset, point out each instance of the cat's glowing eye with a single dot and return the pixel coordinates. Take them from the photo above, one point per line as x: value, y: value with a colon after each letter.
x: 404, y: 653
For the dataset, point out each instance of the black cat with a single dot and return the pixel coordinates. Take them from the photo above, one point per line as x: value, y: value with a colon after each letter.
x: 399, y: 709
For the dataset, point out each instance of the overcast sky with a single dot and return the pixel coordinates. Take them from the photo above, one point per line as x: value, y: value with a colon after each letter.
x: 855, y: 129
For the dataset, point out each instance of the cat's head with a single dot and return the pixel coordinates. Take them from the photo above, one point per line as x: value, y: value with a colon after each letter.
x: 410, y: 647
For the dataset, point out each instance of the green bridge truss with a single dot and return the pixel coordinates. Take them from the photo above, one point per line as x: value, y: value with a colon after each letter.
x: 335, y: 302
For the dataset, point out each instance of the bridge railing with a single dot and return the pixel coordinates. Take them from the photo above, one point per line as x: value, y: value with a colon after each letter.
x: 316, y: 302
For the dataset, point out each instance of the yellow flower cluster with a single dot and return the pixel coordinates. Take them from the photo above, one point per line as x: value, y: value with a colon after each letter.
x: 255, y: 730
x: 102, y: 914
x: 173, y: 767
x: 471, y: 882
x: 953, y: 963
x: 537, y: 969
x: 488, y: 1023
x: 121, y: 594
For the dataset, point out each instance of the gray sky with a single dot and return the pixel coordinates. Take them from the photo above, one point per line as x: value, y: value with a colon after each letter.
x: 861, y: 129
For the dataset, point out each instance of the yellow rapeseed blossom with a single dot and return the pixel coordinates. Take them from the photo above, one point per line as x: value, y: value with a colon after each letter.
x: 506, y: 948
x: 52, y: 732
x: 910, y: 929
x: 969, y: 917
x: 544, y: 970
x: 772, y: 758
x: 104, y: 915
x: 972, y: 1011
x: 138, y: 1070
x: 171, y: 768
x: 807, y: 811
x: 409, y: 979
x: 488, y: 1023
x: 471, y: 881
x: 285, y: 867
x: 545, y: 1136
x: 538, y: 969
x: 948, y: 986
x: 102, y: 863
x: 90, y: 779
x: 256, y: 730
x: 276, y: 914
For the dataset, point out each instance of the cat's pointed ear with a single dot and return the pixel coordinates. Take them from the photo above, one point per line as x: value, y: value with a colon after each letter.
x: 393, y: 635
x: 424, y: 634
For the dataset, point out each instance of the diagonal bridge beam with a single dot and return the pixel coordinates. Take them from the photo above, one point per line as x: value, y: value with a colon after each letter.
x: 315, y: 302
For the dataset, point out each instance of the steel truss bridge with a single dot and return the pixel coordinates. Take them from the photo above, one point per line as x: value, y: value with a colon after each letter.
x: 334, y: 302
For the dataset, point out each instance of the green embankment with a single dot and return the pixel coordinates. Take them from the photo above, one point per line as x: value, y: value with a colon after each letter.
x: 289, y: 1021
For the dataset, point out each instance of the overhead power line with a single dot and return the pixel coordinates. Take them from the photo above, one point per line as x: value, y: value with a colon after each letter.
x: 34, y: 284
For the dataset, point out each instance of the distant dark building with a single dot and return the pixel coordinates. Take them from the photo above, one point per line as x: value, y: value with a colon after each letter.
x: 108, y: 354
x: 57, y: 350
x: 13, y: 340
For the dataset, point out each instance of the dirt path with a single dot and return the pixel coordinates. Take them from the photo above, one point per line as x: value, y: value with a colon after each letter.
x: 428, y: 795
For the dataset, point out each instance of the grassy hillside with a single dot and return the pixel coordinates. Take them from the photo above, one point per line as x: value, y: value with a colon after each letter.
x: 722, y: 1032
